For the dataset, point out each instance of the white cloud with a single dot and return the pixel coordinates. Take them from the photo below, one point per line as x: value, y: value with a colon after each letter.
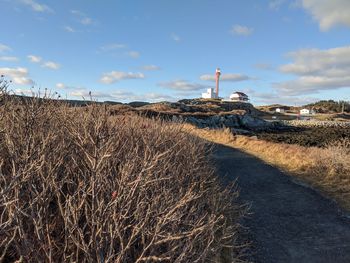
x: 86, y: 21
x: 18, y: 75
x: 276, y: 4
x: 316, y: 70
x: 34, y: 59
x: 69, y: 29
x: 321, y: 62
x: 60, y: 85
x: 82, y: 92
x: 328, y: 13
x: 63, y: 86
x: 275, y: 98
x: 123, y: 95
x: 175, y: 37
x: 157, y: 97
x: 45, y: 64
x: 150, y: 67
x: 263, y: 66
x: 27, y: 92
x: 51, y: 65
x: 133, y: 54
x: 182, y: 85
x: 9, y: 59
x: 83, y: 18
x: 77, y: 12
x: 4, y: 48
x: 115, y: 76
x: 119, y: 95
x: 111, y: 47
x: 35, y: 6
x: 241, y: 30
x: 233, y: 77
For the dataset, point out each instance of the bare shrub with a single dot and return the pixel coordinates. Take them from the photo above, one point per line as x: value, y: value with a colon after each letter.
x: 335, y: 160
x: 77, y: 185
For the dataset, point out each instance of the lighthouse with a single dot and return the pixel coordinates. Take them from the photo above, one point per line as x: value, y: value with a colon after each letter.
x: 211, y: 94
x: 217, y: 78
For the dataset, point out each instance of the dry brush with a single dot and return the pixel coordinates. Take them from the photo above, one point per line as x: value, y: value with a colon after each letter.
x: 77, y: 185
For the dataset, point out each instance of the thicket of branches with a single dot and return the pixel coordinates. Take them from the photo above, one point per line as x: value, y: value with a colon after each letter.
x: 77, y: 185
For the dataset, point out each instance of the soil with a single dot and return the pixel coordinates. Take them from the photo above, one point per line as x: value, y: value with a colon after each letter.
x: 289, y: 222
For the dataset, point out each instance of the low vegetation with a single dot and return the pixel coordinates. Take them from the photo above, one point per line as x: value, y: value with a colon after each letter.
x: 77, y: 185
x: 327, y: 169
x: 310, y: 136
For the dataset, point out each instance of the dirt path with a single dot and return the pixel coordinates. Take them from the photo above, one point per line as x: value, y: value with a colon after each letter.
x: 289, y: 222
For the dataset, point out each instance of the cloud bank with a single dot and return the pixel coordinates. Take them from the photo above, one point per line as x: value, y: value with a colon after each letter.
x: 328, y: 13
x: 316, y: 70
x: 115, y: 76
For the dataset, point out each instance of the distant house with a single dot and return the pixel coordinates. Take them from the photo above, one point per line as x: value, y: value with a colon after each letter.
x: 210, y: 94
x: 305, y: 111
x: 239, y: 96
x: 280, y: 110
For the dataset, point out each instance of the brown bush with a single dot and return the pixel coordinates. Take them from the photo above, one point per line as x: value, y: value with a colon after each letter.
x: 333, y: 170
x: 79, y: 185
x: 336, y: 158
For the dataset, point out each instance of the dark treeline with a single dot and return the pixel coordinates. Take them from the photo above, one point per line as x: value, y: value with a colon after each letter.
x: 325, y: 106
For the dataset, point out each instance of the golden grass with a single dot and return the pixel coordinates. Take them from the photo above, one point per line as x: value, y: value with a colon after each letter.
x: 325, y: 169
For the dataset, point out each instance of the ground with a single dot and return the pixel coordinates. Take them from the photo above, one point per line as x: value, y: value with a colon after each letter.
x: 289, y: 222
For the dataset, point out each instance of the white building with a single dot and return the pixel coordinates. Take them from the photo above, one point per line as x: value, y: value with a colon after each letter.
x: 280, y: 110
x: 304, y: 111
x: 210, y: 94
x: 239, y: 96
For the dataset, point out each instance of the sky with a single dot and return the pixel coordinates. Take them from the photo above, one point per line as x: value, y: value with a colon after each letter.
x: 276, y: 51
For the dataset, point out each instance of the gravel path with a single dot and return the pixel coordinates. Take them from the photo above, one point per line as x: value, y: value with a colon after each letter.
x: 289, y: 222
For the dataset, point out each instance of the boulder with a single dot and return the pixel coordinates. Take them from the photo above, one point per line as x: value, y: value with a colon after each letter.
x: 251, y: 122
x: 231, y: 121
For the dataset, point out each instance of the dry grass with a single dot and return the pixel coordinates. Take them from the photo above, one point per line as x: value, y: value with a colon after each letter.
x: 327, y: 169
x: 77, y: 185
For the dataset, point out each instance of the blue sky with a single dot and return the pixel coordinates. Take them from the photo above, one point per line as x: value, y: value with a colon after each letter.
x: 277, y: 51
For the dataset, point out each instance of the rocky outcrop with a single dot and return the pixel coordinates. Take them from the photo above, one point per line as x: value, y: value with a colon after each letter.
x: 245, y: 121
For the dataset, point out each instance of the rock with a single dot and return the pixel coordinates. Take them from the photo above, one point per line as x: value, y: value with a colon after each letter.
x: 242, y: 132
x: 231, y: 121
x: 137, y: 104
x: 184, y: 108
x: 248, y: 121
x: 193, y: 121
x: 175, y: 118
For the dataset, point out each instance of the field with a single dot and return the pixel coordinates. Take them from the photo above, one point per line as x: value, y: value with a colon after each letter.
x: 83, y: 185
